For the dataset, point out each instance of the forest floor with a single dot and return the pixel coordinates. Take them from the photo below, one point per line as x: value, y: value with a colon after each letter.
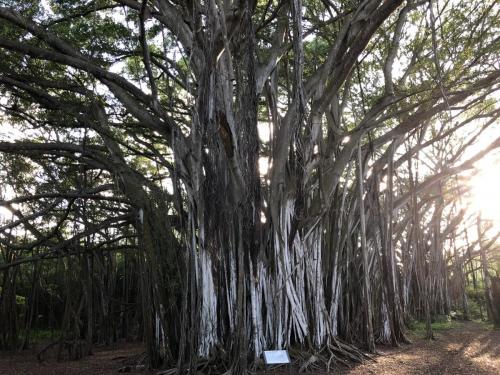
x: 468, y: 348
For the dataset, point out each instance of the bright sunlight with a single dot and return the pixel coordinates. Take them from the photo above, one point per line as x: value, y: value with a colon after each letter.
x: 484, y: 192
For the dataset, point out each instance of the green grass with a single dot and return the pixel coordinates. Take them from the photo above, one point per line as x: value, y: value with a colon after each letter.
x: 418, y: 328
x: 486, y: 324
x: 39, y: 335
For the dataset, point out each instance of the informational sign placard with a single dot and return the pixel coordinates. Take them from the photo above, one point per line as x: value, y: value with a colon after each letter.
x: 276, y: 357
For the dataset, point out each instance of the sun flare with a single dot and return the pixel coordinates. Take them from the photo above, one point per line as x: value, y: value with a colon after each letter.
x: 485, y: 190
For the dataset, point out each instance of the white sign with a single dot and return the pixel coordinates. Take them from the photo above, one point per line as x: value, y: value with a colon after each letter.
x: 276, y: 357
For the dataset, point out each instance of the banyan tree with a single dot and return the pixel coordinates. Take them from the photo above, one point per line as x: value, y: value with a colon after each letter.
x: 268, y: 173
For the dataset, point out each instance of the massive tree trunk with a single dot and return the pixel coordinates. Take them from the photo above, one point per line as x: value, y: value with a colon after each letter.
x: 233, y: 260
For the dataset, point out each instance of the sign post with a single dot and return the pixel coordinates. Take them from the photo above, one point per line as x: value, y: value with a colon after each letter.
x: 276, y: 357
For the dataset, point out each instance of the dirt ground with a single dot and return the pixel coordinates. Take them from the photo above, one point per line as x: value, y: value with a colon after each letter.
x: 104, y: 361
x: 471, y: 349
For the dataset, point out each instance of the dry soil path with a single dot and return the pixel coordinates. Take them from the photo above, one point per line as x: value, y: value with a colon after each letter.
x: 470, y: 349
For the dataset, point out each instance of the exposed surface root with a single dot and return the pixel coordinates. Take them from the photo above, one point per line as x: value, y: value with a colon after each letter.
x: 75, y: 349
x: 326, y: 358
